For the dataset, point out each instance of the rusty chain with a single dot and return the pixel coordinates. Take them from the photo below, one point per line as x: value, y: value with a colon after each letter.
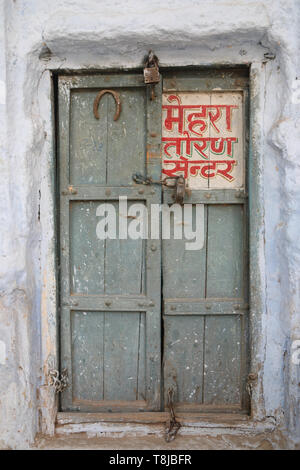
x: 172, y: 426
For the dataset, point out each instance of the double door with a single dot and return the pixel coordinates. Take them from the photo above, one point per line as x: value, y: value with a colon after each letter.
x: 142, y: 312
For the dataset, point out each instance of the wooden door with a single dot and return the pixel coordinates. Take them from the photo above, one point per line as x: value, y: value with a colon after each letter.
x: 135, y: 310
x: 205, y: 292
x: 110, y: 289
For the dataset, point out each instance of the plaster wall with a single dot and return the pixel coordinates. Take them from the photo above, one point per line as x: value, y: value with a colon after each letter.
x: 38, y: 36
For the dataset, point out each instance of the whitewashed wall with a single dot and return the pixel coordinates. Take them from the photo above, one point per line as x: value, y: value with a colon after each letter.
x: 37, y: 36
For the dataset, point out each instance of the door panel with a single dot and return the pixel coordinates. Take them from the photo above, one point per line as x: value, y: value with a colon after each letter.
x: 108, y: 356
x: 111, y: 288
x: 184, y: 355
x: 107, y: 151
x: 225, y: 251
x: 100, y: 266
x: 134, y: 309
x: 184, y: 271
x: 222, y: 352
x: 205, y: 294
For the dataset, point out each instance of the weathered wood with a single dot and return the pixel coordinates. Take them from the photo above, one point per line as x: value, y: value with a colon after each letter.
x: 183, y: 270
x: 225, y: 255
x: 111, y: 286
x: 213, y: 308
x: 111, y: 290
x: 222, y: 360
x: 126, y: 138
x: 88, y: 360
x: 122, y: 356
x: 88, y: 139
x: 183, y: 359
x: 231, y: 417
x: 206, y: 80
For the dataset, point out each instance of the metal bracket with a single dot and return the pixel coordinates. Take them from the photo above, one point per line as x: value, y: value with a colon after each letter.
x: 59, y: 383
x: 179, y: 184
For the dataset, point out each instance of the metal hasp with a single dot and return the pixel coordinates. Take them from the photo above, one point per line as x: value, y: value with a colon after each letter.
x: 117, y: 100
x: 172, y: 426
x: 179, y: 186
x: 59, y: 383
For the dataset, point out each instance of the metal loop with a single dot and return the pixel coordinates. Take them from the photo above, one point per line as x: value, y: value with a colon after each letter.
x: 117, y: 100
x: 59, y: 384
x: 152, y: 60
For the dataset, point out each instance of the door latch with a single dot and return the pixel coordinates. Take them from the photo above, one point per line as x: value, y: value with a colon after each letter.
x: 179, y: 185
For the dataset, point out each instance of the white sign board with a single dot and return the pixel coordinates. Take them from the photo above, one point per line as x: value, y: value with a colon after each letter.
x: 202, y: 139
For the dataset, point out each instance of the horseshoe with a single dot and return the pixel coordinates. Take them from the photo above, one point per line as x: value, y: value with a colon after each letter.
x: 117, y: 100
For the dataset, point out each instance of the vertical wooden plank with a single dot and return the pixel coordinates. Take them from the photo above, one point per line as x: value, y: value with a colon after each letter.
x: 63, y: 146
x: 87, y: 354
x: 222, y: 360
x: 225, y: 257
x: 88, y: 138
x: 183, y: 270
x: 141, y: 366
x: 121, y: 353
x: 126, y: 137
x: 64, y: 133
x: 236, y: 131
x: 104, y: 267
x: 183, y: 359
x: 153, y: 256
x: 87, y: 252
x: 124, y: 260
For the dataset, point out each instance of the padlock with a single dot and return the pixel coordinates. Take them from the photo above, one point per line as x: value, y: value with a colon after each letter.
x: 151, y: 75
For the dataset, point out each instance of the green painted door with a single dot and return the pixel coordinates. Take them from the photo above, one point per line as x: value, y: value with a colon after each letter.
x: 205, y: 294
x: 141, y: 316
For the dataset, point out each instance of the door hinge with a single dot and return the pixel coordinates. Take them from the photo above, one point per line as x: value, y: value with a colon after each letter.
x: 58, y: 381
x: 172, y: 425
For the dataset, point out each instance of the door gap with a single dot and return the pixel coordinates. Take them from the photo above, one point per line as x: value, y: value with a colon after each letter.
x: 162, y: 313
